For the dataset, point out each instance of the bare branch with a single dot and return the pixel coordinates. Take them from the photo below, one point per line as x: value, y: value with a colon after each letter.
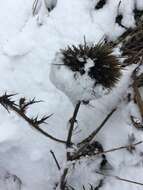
x: 40, y: 121
x: 119, y: 178
x: 137, y: 98
x: 136, y: 122
x: 86, y: 141
x: 72, y: 121
x: 7, y: 103
x: 94, y: 133
x: 23, y: 104
x: 128, y: 147
x: 70, y: 132
x: 55, y: 159
x: 63, y: 181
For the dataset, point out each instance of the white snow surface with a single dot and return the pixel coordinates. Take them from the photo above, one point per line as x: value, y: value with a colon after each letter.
x: 27, y: 51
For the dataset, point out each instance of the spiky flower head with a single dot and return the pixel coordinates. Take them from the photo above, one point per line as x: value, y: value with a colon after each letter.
x: 85, y: 72
x: 105, y: 68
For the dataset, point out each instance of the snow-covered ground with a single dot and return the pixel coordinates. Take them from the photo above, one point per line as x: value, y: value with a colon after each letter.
x: 27, y: 50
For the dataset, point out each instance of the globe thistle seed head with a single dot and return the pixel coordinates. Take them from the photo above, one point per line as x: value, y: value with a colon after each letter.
x: 105, y: 69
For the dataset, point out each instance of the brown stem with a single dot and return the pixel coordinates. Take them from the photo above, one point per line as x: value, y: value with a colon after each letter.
x: 94, y: 133
x: 70, y: 132
x: 68, y: 144
x: 55, y: 159
x: 86, y: 141
x: 130, y: 146
x: 119, y: 178
x: 14, y: 108
x: 63, y: 179
x: 119, y: 148
x: 138, y: 98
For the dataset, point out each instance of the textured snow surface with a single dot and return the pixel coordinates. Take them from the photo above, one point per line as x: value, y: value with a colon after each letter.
x: 27, y: 51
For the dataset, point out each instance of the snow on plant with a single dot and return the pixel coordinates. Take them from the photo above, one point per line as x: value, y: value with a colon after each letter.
x: 42, y: 8
x: 21, y: 109
x: 87, y: 154
x: 85, y: 72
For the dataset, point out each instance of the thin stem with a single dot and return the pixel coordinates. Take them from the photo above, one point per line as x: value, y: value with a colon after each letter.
x: 86, y: 141
x: 63, y: 179
x: 68, y: 144
x: 72, y: 122
x: 119, y: 178
x: 14, y: 108
x: 120, y: 148
x: 94, y: 133
x: 129, y: 147
x: 55, y: 159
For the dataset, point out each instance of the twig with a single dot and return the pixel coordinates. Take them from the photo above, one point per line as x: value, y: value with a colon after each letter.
x: 120, y: 148
x: 23, y: 104
x: 86, y: 141
x: 135, y: 59
x: 137, y: 95
x: 8, y: 103
x: 119, y: 17
x: 34, y: 7
x: 72, y: 122
x: 119, y: 5
x: 138, y: 98
x: 55, y: 159
x: 63, y: 179
x: 129, y: 147
x: 35, y: 126
x: 119, y: 178
x: 83, y: 187
x: 68, y: 145
x: 94, y: 133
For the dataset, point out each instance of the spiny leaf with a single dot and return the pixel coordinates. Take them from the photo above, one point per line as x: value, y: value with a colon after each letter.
x: 38, y: 121
x: 23, y: 104
x: 6, y: 102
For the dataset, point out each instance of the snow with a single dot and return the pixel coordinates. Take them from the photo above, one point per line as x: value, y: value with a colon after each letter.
x: 139, y: 4
x: 87, y: 168
x: 27, y: 51
x: 127, y: 12
x: 76, y: 86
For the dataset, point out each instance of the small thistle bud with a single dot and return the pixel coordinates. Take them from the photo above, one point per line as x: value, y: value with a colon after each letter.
x: 85, y: 72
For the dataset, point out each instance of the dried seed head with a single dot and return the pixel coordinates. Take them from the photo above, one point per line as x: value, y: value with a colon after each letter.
x: 105, y: 69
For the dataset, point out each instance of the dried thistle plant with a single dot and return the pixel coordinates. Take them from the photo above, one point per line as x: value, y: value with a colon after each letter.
x: 106, y: 69
x: 20, y: 108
